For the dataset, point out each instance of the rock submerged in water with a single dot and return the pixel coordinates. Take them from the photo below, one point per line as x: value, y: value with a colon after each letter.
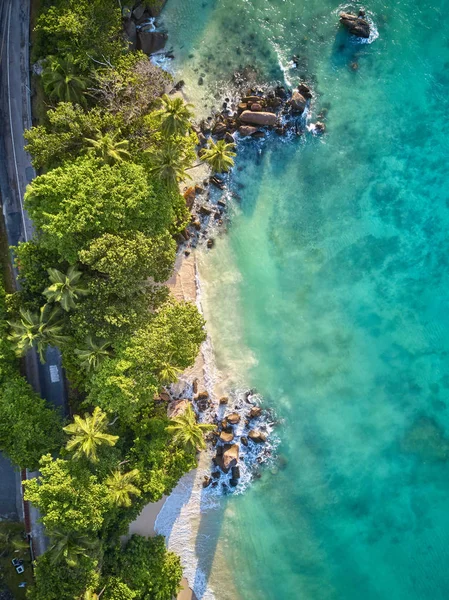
x: 233, y: 418
x: 356, y: 25
x: 259, y: 118
x: 246, y: 130
x: 255, y: 412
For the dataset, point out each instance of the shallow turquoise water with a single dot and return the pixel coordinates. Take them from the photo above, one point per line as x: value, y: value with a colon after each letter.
x: 333, y: 298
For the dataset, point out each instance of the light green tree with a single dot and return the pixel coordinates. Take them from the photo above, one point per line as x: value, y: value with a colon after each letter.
x: 107, y: 147
x: 93, y: 353
x: 65, y: 288
x: 34, y: 330
x: 88, y: 434
x: 169, y: 163
x: 175, y: 116
x: 188, y: 432
x: 70, y: 546
x: 219, y: 155
x: 61, y: 80
x: 121, y: 487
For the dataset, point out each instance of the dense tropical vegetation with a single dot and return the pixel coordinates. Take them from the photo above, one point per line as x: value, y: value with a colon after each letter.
x: 106, y: 206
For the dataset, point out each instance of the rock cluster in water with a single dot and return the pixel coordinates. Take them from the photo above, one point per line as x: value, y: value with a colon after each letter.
x: 356, y: 24
x: 140, y: 28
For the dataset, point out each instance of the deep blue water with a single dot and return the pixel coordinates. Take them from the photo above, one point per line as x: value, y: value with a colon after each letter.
x: 332, y: 298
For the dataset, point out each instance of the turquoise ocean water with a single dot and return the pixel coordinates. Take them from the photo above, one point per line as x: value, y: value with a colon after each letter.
x: 330, y: 294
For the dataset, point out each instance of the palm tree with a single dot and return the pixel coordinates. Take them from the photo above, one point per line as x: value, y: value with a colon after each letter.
x: 70, y: 546
x: 88, y: 434
x: 12, y: 540
x: 65, y: 288
x: 188, y: 432
x: 219, y: 155
x: 38, y: 331
x: 168, y: 373
x: 175, y: 116
x: 93, y: 353
x: 121, y: 486
x: 169, y: 163
x: 61, y: 81
x: 108, y: 148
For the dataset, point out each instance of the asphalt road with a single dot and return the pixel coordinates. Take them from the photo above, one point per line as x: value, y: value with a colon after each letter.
x: 16, y: 172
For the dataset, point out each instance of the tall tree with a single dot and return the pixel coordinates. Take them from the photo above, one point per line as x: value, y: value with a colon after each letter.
x: 93, y: 353
x: 88, y: 434
x: 169, y: 163
x: 107, y: 147
x: 188, y: 432
x: 121, y: 487
x: 219, y: 155
x: 62, y: 81
x: 38, y: 331
x: 175, y: 116
x: 65, y: 288
x: 70, y: 546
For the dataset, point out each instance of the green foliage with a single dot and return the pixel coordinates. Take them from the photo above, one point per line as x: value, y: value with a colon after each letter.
x: 70, y: 546
x: 107, y: 147
x: 149, y: 569
x: 175, y: 116
x: 37, y: 330
x: 63, y: 137
x: 62, y: 81
x: 29, y: 427
x: 93, y: 353
x: 65, y: 288
x: 219, y: 155
x: 62, y: 582
x: 89, y: 29
x: 116, y: 589
x: 69, y: 497
x: 126, y: 385
x: 160, y: 463
x: 121, y: 486
x: 128, y: 262
x: 8, y: 361
x: 88, y: 434
x: 80, y: 201
x: 169, y: 163
x: 187, y: 432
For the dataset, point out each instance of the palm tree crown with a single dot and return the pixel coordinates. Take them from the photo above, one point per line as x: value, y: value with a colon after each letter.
x: 38, y: 331
x: 65, y: 288
x: 188, y: 432
x: 61, y: 81
x: 175, y: 116
x: 88, y: 433
x: 169, y: 163
x: 69, y: 546
x: 121, y: 487
x: 219, y: 155
x: 108, y: 148
x: 93, y: 353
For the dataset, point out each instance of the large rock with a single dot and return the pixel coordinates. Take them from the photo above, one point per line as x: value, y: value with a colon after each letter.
x: 229, y: 458
x: 258, y: 118
x: 131, y: 33
x: 226, y: 437
x: 298, y: 102
x: 138, y: 12
x: 355, y: 25
x: 257, y: 436
x: 246, y: 130
x: 151, y: 41
x: 176, y: 408
x: 233, y: 418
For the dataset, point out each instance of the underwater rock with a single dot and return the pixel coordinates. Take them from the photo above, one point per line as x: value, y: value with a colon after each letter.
x: 320, y: 127
x: 202, y: 396
x: 304, y: 90
x: 210, y: 243
x: 224, y: 400
x: 235, y: 472
x: 207, y: 481
x: 356, y: 25
x: 258, y: 118
x: 244, y: 440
